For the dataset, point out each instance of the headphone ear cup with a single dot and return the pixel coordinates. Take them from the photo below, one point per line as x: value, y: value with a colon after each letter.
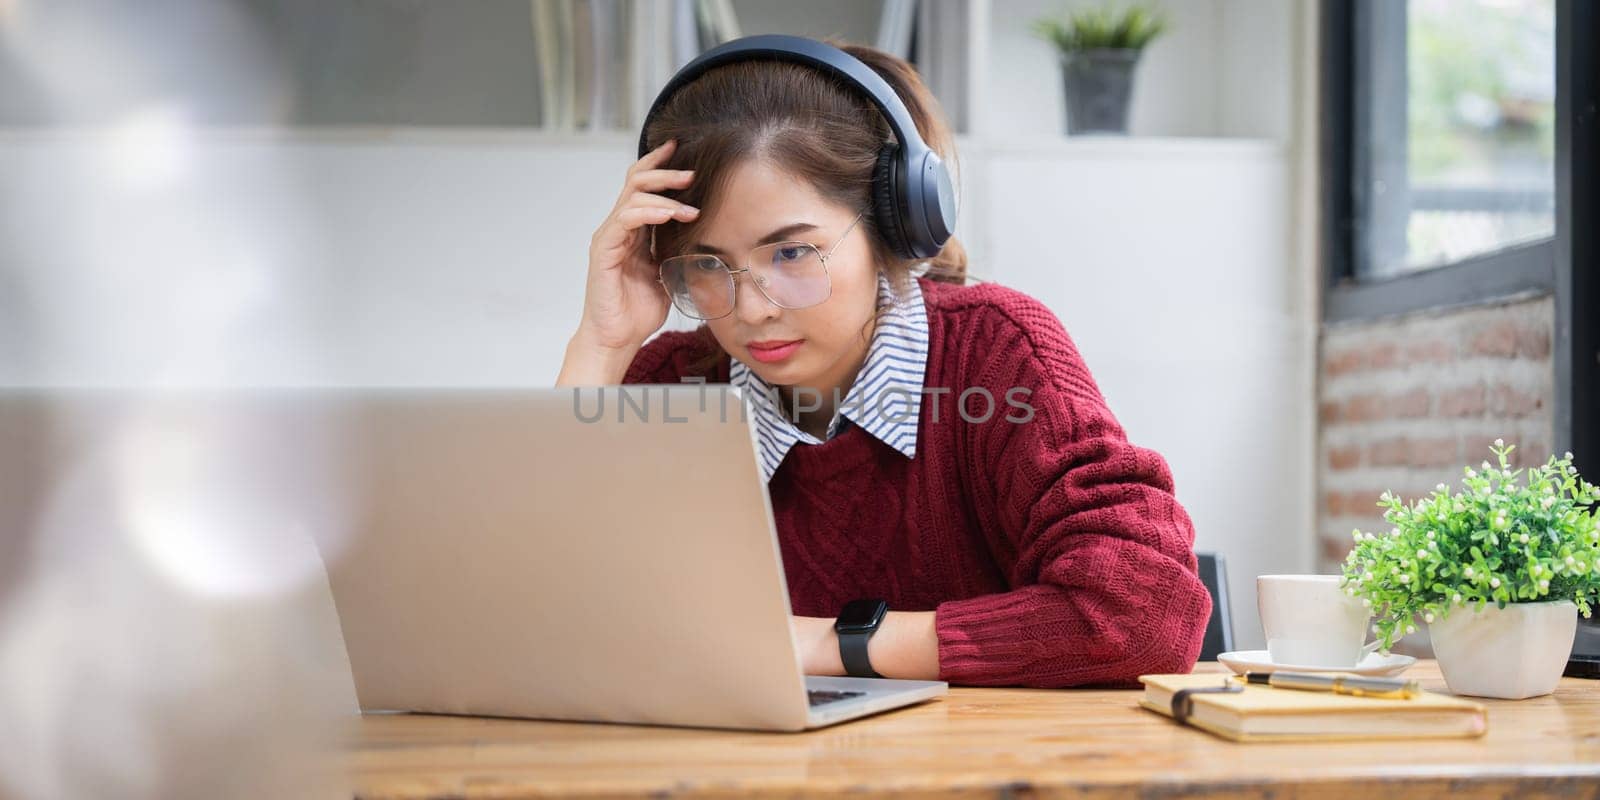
x: 886, y: 202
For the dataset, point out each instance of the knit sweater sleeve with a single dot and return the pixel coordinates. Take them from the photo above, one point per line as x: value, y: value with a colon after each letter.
x: 671, y: 356
x: 1084, y: 525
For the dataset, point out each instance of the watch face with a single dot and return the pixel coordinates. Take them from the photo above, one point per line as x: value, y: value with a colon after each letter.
x: 861, y: 616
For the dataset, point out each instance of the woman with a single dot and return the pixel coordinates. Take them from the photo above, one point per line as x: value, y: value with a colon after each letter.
x: 940, y: 446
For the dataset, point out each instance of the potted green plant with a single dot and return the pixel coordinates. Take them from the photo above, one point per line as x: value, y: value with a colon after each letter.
x: 1099, y: 50
x: 1499, y: 571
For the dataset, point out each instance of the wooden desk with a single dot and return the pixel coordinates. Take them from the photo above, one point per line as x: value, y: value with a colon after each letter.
x: 985, y: 742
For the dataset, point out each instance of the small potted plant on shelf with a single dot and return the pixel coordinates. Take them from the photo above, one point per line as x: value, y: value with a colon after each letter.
x: 1099, y: 49
x: 1499, y: 571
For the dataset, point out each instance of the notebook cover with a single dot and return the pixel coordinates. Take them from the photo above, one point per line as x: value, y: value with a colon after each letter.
x: 1258, y: 700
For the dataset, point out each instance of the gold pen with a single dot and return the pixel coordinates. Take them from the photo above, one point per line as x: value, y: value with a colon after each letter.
x: 1339, y: 684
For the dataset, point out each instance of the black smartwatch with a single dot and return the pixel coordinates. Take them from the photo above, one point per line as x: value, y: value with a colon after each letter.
x: 855, y: 626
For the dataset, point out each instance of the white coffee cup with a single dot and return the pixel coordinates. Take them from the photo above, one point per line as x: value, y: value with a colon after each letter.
x: 1310, y: 621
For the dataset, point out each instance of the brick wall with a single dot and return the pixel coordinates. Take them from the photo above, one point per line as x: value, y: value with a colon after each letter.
x: 1404, y: 403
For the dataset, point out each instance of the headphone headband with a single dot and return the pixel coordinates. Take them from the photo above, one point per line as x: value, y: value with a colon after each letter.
x: 913, y: 197
x: 796, y: 50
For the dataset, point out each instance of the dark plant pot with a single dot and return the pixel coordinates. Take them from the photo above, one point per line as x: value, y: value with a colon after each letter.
x: 1099, y: 84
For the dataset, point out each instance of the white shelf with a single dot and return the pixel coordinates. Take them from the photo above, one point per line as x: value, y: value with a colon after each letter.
x: 969, y: 147
x: 353, y: 134
x: 1208, y: 147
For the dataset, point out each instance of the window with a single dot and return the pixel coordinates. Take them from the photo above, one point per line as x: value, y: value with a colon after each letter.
x: 1440, y: 121
x: 1459, y: 133
x: 1461, y: 164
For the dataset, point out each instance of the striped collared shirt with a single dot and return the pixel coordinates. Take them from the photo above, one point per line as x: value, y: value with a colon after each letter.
x: 885, y: 399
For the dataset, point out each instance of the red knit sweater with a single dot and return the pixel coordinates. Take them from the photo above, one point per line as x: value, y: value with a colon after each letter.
x: 1053, y: 551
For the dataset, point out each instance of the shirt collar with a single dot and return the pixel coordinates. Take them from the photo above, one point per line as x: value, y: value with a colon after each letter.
x: 885, y: 399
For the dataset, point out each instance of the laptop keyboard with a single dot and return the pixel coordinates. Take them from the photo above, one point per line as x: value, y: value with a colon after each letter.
x: 818, y: 697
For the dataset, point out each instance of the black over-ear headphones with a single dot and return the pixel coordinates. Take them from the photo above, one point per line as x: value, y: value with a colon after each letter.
x: 913, y: 199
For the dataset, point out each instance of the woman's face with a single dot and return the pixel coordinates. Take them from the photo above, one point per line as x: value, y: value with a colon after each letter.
x: 758, y: 201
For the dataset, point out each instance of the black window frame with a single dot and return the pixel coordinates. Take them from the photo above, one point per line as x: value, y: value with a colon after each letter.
x: 1354, y: 31
x: 1577, y: 241
x: 1565, y: 266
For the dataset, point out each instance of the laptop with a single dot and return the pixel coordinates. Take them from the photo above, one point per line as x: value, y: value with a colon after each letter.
x: 602, y: 554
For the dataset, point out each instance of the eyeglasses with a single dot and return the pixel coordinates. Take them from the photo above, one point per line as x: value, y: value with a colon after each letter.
x: 790, y: 274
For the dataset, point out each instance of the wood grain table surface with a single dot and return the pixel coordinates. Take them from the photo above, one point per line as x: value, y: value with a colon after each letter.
x: 983, y: 743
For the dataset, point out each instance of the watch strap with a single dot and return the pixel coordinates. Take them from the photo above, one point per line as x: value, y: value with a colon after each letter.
x: 853, y: 652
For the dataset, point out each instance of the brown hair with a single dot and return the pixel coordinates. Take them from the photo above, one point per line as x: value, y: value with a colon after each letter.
x: 808, y: 124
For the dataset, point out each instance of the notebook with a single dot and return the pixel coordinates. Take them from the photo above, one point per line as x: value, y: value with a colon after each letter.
x: 1264, y: 713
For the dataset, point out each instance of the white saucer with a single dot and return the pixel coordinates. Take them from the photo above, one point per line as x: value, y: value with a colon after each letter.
x: 1373, y: 665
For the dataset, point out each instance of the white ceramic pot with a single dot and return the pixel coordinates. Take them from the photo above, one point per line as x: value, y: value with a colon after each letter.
x: 1513, y: 652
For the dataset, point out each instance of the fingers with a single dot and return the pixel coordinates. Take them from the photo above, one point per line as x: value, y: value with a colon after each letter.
x: 655, y: 157
x: 639, y: 203
x: 653, y: 180
x: 644, y: 184
x: 636, y: 216
x: 657, y: 209
x: 655, y: 200
x: 644, y: 178
x: 647, y: 209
